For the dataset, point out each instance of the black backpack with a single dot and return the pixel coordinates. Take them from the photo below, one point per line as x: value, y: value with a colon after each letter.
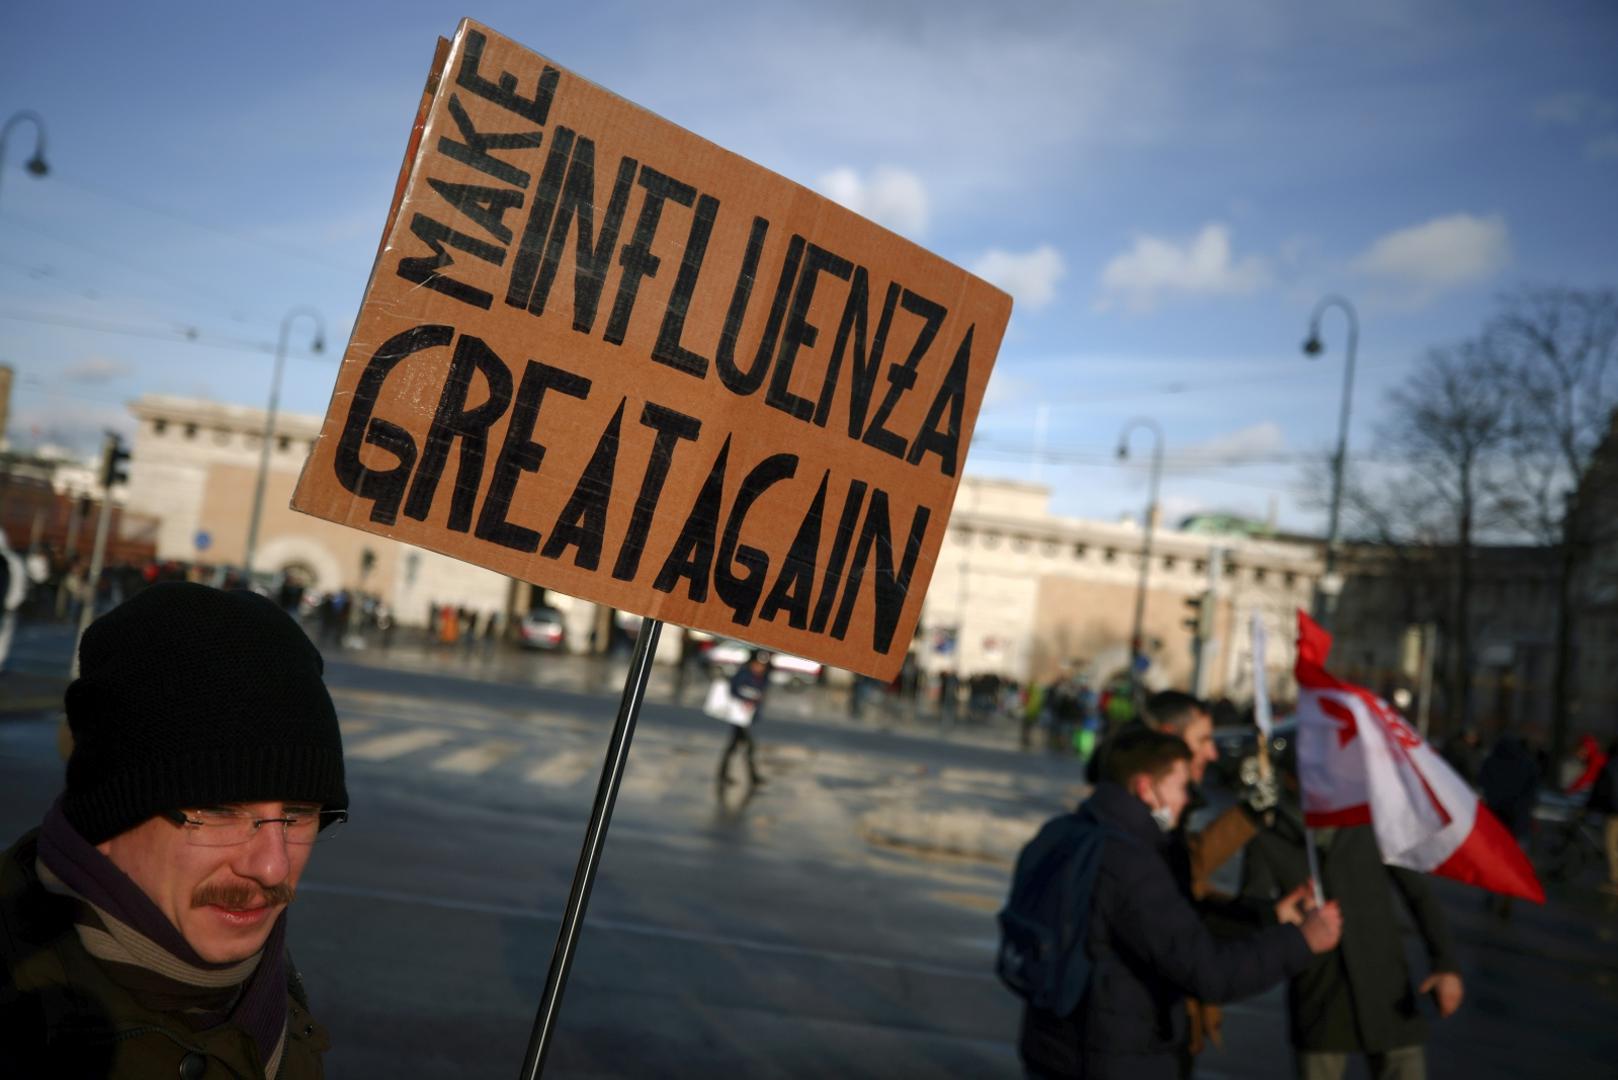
x: 1043, y: 926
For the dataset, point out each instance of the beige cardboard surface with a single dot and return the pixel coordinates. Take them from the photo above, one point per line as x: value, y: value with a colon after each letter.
x: 604, y: 355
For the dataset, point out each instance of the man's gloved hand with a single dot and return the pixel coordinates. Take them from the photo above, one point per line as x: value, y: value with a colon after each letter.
x: 1260, y: 793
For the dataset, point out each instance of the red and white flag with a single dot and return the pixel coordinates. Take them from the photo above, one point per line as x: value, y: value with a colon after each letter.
x: 1359, y: 763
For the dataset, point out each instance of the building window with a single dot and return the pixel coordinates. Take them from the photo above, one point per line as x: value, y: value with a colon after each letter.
x: 190, y: 431
x: 962, y: 536
x: 159, y: 426
x: 1051, y: 547
x: 221, y: 436
x: 283, y: 443
x: 1019, y: 543
x: 1290, y: 580
x: 1230, y: 569
x: 1169, y: 562
x: 1079, y: 550
x: 1199, y: 566
x: 1259, y: 575
x: 1109, y: 555
x: 991, y: 540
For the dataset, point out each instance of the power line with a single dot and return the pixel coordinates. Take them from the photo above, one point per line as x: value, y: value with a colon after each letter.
x: 188, y: 335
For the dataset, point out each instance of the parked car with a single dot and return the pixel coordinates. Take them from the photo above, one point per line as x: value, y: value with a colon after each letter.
x: 542, y: 628
x: 726, y: 655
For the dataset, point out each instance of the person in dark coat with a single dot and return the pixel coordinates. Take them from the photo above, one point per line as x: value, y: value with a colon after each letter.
x: 1148, y: 946
x: 1358, y: 999
x: 748, y: 688
x: 1509, y: 781
x: 143, y: 925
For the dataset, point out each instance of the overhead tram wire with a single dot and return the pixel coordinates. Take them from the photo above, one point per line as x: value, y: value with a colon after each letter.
x: 186, y: 335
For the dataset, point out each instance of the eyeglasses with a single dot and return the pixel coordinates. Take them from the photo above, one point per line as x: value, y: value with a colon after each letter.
x: 224, y: 826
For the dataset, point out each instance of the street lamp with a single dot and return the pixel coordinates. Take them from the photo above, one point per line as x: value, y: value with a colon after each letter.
x: 318, y: 345
x: 1137, y: 642
x: 36, y: 165
x: 1325, y: 595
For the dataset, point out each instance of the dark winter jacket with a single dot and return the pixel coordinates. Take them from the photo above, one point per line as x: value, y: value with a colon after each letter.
x: 1150, y: 950
x: 62, y: 1016
x: 1604, y: 792
x: 1358, y: 997
x: 1510, y: 783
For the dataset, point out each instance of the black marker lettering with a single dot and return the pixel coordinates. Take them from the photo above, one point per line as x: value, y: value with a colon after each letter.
x: 795, y: 585
x: 671, y: 428
x: 692, y: 555
x: 799, y: 331
x: 891, y: 587
x: 951, y: 395
x: 636, y: 257
x: 583, y: 521
x: 453, y: 420
x: 505, y: 94
x: 903, y: 376
x: 475, y: 150
x: 424, y: 269
x: 385, y: 487
x: 520, y: 454
x: 668, y: 349
x: 841, y: 541
x: 741, y: 592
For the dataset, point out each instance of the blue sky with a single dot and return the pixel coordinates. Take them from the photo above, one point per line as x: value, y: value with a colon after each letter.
x: 1167, y: 189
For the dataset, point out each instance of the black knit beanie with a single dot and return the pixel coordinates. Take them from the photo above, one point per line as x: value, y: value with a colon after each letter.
x: 189, y: 696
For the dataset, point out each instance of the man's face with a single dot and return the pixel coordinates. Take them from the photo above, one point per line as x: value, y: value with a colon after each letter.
x: 223, y: 900
x: 1171, y: 791
x: 1198, y: 735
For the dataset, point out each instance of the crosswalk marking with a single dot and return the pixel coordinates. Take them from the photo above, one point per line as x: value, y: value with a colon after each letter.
x: 562, y: 769
x: 383, y: 747
x: 474, y: 760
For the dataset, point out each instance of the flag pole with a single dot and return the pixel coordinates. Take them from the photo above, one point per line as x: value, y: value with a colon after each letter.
x: 1262, y: 717
x: 595, y: 838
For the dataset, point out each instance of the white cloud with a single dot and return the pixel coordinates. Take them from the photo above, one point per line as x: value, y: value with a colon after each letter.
x: 1603, y: 147
x: 1255, y: 440
x: 1439, y: 254
x: 1203, y: 265
x: 889, y: 196
x: 1574, y: 110
x: 95, y: 370
x: 1030, y: 277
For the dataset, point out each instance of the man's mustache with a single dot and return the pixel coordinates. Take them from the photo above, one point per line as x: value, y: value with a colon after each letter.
x: 240, y: 896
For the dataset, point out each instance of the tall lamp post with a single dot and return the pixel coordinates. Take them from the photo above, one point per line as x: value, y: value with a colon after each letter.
x: 36, y: 165
x: 1330, y: 584
x: 1137, y: 643
x: 318, y: 345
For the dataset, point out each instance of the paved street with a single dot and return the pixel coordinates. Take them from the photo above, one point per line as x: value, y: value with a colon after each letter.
x: 836, y: 922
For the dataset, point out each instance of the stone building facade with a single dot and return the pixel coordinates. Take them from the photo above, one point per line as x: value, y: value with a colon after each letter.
x: 1026, y: 594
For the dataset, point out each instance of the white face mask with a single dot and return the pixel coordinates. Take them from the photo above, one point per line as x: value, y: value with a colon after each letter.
x: 1163, y: 815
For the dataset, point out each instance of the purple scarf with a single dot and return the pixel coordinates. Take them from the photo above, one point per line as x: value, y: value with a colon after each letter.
x: 142, y: 951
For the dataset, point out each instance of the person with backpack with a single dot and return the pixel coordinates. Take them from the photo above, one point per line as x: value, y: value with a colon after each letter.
x: 1104, y: 947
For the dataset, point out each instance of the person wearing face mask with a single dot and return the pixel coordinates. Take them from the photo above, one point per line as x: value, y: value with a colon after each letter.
x: 1147, y: 945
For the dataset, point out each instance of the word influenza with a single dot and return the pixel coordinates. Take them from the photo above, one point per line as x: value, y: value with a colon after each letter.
x: 878, y: 355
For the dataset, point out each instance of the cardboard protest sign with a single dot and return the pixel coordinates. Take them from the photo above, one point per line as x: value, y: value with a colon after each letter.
x: 604, y: 355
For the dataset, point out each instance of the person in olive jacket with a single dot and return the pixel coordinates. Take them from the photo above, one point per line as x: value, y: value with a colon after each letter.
x: 1359, y: 999
x: 1147, y: 944
x: 143, y: 924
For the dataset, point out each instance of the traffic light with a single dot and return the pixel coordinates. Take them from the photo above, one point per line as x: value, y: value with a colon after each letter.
x: 1200, y: 620
x: 114, y: 462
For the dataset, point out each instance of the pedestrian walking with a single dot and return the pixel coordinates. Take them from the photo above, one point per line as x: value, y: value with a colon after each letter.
x: 1144, y: 946
x: 13, y: 591
x: 1509, y: 780
x: 1358, y: 1000
x: 747, y: 690
x: 143, y: 925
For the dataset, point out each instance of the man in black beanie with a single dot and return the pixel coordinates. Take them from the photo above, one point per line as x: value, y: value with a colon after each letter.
x: 143, y: 925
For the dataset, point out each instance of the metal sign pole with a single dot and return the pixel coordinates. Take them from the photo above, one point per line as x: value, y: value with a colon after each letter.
x: 595, y: 838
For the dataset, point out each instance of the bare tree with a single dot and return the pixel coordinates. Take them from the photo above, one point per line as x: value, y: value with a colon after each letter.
x: 1425, y: 497
x: 1559, y: 348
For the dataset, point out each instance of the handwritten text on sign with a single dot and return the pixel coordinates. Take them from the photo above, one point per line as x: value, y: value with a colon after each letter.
x: 604, y: 355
